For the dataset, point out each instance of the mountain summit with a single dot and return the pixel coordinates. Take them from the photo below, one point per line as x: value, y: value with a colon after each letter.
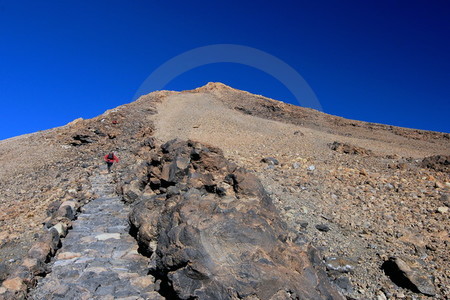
x: 230, y: 196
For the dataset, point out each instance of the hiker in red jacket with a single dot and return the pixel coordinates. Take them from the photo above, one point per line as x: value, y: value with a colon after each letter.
x: 110, y: 159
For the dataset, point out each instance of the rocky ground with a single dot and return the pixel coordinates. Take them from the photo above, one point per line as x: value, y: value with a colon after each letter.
x: 363, y: 199
x: 374, y: 199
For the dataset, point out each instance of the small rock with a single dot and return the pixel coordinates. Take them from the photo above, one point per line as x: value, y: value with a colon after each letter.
x: 344, y: 283
x: 61, y: 228
x: 68, y: 255
x: 402, y: 166
x: 311, y: 168
x: 66, y: 211
x: 14, y: 284
x: 442, y: 209
x: 4, y: 271
x: 270, y: 161
x: 302, y: 223
x: 296, y: 165
x: 143, y: 282
x: 445, y: 198
x: 389, y: 186
x: 322, y: 227
x: 107, y: 236
x: 34, y: 266
x: 339, y: 264
x: 381, y: 296
x: 153, y: 295
x: 438, y: 185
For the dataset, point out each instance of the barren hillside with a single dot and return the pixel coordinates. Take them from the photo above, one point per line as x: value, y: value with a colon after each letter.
x: 374, y: 199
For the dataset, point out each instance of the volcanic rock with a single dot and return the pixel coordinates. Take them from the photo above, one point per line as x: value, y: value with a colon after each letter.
x: 206, y: 246
x: 409, y: 275
x: 270, y: 161
x: 437, y: 162
x: 349, y: 149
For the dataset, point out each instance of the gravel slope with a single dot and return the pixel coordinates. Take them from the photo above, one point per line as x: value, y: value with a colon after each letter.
x: 376, y: 205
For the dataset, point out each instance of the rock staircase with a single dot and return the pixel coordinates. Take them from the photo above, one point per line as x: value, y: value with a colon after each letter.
x: 99, y: 258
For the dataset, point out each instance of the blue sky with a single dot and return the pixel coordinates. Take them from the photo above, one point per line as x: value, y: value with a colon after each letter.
x: 379, y: 61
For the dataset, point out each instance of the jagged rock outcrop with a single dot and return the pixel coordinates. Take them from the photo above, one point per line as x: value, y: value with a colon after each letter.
x: 408, y: 274
x: 437, y: 162
x: 349, y: 149
x: 212, y: 231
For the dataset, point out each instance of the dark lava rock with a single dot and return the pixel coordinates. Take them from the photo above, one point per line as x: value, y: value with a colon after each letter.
x: 81, y: 139
x: 322, y: 227
x: 408, y: 274
x: 303, y: 224
x: 349, y: 149
x: 205, y: 244
x: 344, y: 283
x: 4, y: 271
x: 437, y: 162
x: 270, y: 160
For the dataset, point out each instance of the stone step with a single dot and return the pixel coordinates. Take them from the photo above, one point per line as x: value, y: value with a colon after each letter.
x: 98, y: 258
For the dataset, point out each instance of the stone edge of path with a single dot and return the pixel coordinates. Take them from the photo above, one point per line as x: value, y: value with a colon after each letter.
x: 24, y: 277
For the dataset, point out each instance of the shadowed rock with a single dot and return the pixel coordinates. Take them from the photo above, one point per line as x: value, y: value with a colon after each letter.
x: 437, y: 162
x: 213, y: 233
x: 349, y: 149
x: 408, y: 274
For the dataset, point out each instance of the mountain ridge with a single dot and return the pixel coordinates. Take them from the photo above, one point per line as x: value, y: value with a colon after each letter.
x: 362, y: 180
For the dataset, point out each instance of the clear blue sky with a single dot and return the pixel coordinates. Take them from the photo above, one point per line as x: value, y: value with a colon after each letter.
x: 378, y: 61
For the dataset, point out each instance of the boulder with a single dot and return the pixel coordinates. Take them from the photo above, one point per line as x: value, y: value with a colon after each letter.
x: 437, y: 162
x: 81, y: 139
x: 408, y: 274
x: 65, y: 211
x: 149, y: 142
x: 46, y: 246
x: 40, y: 251
x: 144, y: 220
x: 208, y: 245
x: 132, y: 191
x: 349, y: 149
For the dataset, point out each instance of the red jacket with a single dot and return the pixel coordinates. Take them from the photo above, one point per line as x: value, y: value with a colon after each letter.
x: 114, y: 159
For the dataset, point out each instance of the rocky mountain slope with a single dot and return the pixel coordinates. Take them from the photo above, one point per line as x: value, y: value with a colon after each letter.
x: 372, y: 198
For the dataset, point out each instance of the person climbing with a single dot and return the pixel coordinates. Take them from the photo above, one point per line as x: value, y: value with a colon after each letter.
x: 110, y: 159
